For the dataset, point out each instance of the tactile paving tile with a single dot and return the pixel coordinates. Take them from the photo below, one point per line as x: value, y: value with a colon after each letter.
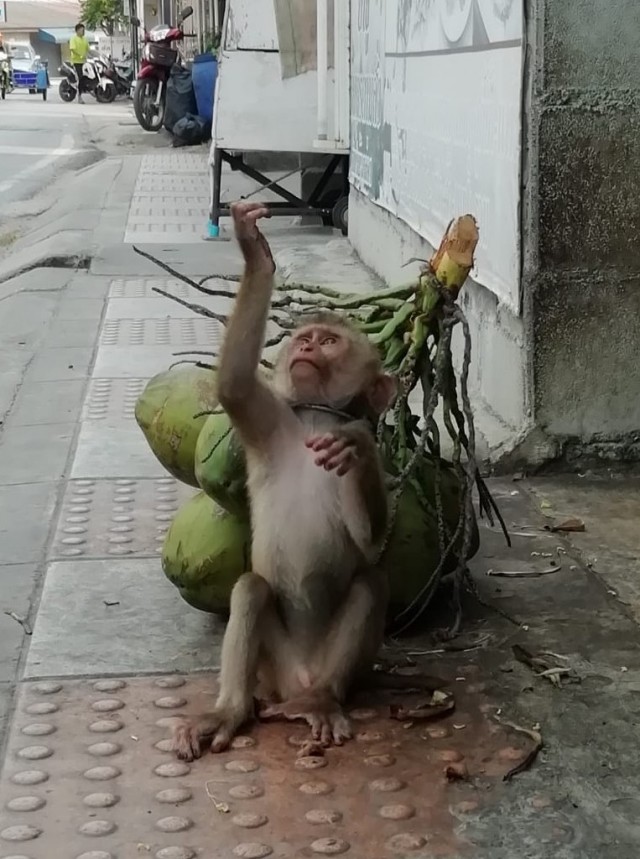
x: 103, y: 518
x: 184, y: 162
x: 112, y: 399
x: 89, y: 775
x: 181, y: 333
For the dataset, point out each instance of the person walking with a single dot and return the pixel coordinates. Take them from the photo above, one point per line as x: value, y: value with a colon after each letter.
x: 79, y: 51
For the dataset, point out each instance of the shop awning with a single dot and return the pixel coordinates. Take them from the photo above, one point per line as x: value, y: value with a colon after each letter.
x: 57, y: 35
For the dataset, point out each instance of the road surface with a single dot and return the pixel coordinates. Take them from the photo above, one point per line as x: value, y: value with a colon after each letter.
x: 40, y: 140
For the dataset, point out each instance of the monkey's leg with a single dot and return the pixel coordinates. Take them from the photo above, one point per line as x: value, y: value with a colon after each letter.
x: 356, y: 635
x: 251, y: 608
x: 348, y: 649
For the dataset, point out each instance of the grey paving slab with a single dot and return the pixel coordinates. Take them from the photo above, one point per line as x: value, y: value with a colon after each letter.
x: 183, y: 234
x: 13, y: 369
x: 179, y: 332
x: 72, y: 307
x: 35, y: 453
x: 160, y: 307
x: 17, y: 583
x: 69, y: 334
x: 48, y: 403
x: 196, y: 259
x: 51, y: 365
x: 143, y: 287
x: 136, y: 362
x: 125, y: 517
x: 24, y: 318
x: 85, y: 285
x: 144, y: 627
x: 26, y: 514
x: 38, y: 280
x: 109, y: 449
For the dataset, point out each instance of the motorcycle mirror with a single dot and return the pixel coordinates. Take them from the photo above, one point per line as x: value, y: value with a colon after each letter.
x: 186, y: 13
x: 135, y: 22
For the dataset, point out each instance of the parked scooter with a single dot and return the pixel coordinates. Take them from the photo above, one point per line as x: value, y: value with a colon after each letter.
x: 96, y: 81
x: 150, y: 94
x: 121, y: 73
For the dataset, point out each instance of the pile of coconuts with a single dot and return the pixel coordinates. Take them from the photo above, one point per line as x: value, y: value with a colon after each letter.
x: 433, y: 530
x: 208, y: 543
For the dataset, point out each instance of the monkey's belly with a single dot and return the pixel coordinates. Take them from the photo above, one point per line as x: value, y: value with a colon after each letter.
x: 298, y: 525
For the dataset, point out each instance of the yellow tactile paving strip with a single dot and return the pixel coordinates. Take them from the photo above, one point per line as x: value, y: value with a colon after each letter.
x: 89, y: 774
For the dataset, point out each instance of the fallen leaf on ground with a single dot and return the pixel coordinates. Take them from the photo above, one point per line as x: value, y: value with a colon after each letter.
x: 530, y: 757
x: 437, y: 705
x: 456, y: 772
x: 311, y: 749
x: 567, y: 525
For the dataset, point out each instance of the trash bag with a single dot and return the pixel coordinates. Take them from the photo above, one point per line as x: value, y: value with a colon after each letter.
x: 181, y: 99
x: 190, y: 131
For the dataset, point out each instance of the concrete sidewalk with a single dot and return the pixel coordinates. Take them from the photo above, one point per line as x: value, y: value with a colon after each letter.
x: 87, y: 698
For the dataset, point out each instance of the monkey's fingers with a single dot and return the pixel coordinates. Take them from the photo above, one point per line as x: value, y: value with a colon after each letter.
x: 186, y: 742
x: 341, y: 461
x: 320, y: 442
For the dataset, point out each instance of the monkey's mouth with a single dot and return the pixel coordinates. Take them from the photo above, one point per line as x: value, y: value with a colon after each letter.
x: 304, y: 361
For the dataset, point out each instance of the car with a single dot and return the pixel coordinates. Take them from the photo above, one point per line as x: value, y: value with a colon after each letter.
x: 23, y: 57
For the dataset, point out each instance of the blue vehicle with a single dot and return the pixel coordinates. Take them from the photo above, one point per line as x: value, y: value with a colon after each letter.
x: 27, y: 71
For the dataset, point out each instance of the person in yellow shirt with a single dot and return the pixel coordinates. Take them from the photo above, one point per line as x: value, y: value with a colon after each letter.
x: 79, y: 51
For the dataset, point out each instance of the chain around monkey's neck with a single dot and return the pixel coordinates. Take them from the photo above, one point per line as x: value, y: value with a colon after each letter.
x: 356, y: 410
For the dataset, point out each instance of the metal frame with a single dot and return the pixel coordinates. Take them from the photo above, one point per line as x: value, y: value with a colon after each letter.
x: 291, y: 204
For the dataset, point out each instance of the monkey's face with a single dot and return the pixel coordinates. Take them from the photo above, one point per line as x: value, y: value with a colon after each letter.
x: 329, y: 364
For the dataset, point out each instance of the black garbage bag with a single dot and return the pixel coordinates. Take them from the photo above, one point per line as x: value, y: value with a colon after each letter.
x: 191, y: 131
x: 181, y: 99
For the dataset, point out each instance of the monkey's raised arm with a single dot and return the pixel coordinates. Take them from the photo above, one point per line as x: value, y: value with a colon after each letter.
x: 254, y: 409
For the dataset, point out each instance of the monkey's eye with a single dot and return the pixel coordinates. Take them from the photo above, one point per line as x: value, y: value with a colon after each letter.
x: 303, y: 341
x: 329, y: 341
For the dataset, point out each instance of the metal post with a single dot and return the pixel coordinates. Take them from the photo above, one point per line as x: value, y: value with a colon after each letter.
x: 323, y: 60
x: 216, y: 185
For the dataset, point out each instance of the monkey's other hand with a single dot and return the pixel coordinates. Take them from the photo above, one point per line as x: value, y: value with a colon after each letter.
x: 218, y: 727
x: 337, y: 451
x: 254, y: 246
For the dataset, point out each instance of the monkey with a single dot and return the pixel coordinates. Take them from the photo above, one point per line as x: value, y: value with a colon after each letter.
x: 309, y: 618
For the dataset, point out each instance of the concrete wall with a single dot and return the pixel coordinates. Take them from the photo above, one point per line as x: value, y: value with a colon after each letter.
x: 586, y: 293
x: 499, y: 384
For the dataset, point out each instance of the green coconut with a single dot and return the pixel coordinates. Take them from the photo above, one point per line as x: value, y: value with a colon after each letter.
x: 205, y: 551
x: 220, y: 465
x: 413, y: 553
x: 166, y: 413
x: 207, y: 548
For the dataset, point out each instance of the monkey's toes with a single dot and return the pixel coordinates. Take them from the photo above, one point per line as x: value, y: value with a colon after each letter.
x: 186, y: 744
x: 221, y: 741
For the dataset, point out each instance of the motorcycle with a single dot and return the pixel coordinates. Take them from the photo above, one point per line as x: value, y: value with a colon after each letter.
x: 150, y: 94
x: 96, y: 80
x: 5, y: 75
x: 121, y: 73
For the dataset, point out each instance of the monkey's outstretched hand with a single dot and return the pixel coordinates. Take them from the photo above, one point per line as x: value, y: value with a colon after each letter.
x: 337, y: 451
x: 255, y: 248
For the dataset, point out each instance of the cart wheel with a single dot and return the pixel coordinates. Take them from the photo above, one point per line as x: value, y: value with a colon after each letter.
x: 340, y: 215
x: 44, y: 95
x: 32, y: 91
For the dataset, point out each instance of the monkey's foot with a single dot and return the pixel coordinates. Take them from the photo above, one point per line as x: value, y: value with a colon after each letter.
x: 216, y: 729
x: 322, y: 713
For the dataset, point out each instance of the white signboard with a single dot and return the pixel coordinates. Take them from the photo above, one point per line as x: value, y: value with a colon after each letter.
x: 436, y: 121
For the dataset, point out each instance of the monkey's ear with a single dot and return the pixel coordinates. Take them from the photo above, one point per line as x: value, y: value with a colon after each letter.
x: 383, y: 392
